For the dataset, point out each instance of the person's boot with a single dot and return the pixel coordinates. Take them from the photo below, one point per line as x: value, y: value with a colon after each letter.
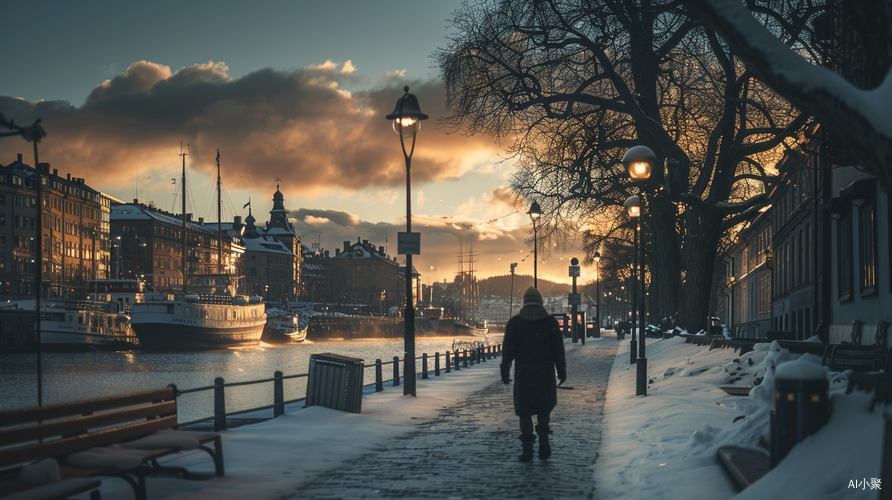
x: 544, y: 446
x: 527, y: 439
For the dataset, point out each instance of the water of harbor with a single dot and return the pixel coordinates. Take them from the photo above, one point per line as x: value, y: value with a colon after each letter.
x: 76, y: 376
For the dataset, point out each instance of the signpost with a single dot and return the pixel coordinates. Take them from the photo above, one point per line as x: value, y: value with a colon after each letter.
x: 574, y: 300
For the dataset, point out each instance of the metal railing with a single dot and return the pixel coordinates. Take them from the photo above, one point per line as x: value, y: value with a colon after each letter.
x: 452, y: 361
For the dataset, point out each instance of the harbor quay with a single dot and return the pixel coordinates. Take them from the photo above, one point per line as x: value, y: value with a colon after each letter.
x: 458, y: 437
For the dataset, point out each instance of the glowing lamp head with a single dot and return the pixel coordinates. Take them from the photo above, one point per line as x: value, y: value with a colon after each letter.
x: 639, y: 170
x: 597, y: 256
x: 633, y: 206
x: 407, y: 116
x: 640, y: 161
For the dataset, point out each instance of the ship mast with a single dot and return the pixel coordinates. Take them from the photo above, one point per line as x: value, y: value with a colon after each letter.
x: 183, y: 182
x: 219, y: 220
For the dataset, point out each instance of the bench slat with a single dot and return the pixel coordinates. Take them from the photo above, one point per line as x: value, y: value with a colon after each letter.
x: 81, y: 425
x: 858, y: 358
x: 60, y: 410
x: 65, y: 446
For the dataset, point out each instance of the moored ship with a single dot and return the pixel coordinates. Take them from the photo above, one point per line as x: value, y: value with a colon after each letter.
x: 85, y: 326
x: 73, y: 326
x: 208, y: 314
x: 211, y: 317
x: 97, y: 323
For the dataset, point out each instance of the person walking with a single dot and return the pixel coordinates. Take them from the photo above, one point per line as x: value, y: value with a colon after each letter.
x: 533, y: 342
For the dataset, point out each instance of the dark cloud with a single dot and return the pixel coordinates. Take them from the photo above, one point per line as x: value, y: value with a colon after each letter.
x: 298, y: 126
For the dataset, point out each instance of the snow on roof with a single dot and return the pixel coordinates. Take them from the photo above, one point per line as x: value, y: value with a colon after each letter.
x: 266, y: 244
x: 131, y: 212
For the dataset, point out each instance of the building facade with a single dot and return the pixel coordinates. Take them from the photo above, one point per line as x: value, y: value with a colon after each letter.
x: 360, y: 279
x: 147, y: 244
x: 72, y: 235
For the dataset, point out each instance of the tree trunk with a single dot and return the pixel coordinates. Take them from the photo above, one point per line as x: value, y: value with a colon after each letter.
x: 699, y: 260
x: 663, y: 259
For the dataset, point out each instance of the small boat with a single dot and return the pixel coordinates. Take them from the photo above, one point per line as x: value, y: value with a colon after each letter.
x: 283, y: 326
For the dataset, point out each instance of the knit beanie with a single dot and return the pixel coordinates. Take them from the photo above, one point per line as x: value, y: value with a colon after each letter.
x: 532, y: 297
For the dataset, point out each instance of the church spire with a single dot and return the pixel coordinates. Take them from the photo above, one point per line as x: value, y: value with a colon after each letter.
x: 278, y: 216
x: 250, y: 228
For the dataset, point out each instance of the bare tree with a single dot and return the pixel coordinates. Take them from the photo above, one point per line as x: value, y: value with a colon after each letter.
x: 569, y: 86
x: 854, y: 111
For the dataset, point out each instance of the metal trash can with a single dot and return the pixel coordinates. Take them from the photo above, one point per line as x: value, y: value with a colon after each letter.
x: 335, y: 382
x: 714, y: 326
x: 801, y: 405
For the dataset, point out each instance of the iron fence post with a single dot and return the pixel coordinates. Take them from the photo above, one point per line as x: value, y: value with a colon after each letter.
x: 219, y: 405
x: 379, y: 380
x: 278, y: 395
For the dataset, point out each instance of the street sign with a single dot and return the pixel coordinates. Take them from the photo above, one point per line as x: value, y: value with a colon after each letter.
x: 574, y: 270
x: 574, y: 299
x: 408, y: 243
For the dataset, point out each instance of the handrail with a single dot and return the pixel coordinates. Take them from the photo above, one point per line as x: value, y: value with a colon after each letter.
x: 453, y: 362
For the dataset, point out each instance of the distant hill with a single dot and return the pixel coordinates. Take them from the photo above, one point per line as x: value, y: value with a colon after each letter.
x: 500, y: 286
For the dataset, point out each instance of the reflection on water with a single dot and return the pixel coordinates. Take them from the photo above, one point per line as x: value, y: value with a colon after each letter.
x: 75, y: 376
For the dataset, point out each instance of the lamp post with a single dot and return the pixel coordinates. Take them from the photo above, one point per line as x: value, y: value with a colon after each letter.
x: 534, y: 213
x: 731, y: 281
x: 34, y: 134
x: 598, y: 294
x: 511, y: 302
x: 640, y: 160
x: 407, y: 119
x: 633, y: 208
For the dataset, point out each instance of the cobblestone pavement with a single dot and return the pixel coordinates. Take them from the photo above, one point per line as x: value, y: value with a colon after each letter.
x: 470, y: 451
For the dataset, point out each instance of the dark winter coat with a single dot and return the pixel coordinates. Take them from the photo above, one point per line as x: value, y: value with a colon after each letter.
x: 533, y: 342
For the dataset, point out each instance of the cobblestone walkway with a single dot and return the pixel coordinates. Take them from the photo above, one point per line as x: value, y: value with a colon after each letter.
x: 470, y: 451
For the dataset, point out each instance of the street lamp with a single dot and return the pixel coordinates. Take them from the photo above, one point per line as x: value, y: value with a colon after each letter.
x: 407, y: 117
x: 640, y: 161
x: 598, y: 295
x: 534, y: 213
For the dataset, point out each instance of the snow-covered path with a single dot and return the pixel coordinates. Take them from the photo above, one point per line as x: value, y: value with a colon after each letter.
x: 470, y: 450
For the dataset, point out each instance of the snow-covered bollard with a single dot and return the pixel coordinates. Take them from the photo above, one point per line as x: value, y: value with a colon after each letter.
x: 801, y: 405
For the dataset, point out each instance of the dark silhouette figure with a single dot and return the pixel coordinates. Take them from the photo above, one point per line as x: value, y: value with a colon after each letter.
x: 533, y: 341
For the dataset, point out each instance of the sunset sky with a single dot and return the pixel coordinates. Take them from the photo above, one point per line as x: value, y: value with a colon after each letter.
x: 288, y: 90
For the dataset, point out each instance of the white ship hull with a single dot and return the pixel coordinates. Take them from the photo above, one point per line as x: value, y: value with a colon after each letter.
x: 183, y: 325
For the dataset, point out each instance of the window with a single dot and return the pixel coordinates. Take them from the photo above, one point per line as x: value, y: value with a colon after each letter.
x: 867, y: 247
x: 844, y: 255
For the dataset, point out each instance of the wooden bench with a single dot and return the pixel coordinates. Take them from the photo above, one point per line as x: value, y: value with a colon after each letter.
x: 121, y: 436
x: 856, y: 357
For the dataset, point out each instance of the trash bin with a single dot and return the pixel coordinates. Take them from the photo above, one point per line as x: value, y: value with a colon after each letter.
x: 335, y: 382
x: 714, y: 326
x: 801, y: 405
